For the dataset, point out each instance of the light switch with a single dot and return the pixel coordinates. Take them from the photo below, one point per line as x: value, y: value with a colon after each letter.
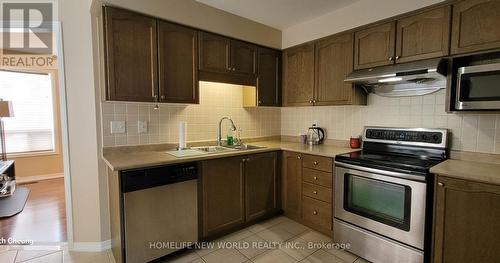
x: 118, y: 127
x: 142, y: 127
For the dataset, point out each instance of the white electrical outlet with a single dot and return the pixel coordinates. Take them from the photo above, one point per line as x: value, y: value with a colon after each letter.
x: 142, y: 127
x: 118, y: 127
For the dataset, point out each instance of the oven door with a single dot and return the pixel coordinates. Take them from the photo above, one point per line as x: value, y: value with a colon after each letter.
x: 386, y: 203
x: 478, y: 87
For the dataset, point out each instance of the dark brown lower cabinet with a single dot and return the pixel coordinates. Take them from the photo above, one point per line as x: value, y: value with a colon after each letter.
x: 292, y: 185
x: 467, y: 221
x: 260, y: 185
x: 237, y: 190
x: 222, y: 187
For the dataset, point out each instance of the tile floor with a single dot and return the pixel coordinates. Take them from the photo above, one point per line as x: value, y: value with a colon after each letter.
x: 255, y: 244
x: 50, y: 254
x: 277, y: 240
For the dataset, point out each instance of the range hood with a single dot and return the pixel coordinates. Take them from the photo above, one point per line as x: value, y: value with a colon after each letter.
x: 406, y: 79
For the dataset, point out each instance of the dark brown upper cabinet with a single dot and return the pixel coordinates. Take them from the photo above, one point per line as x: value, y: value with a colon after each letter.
x: 243, y: 57
x: 149, y: 60
x: 314, y: 73
x: 422, y: 36
x: 225, y: 55
x: 475, y: 26
x: 334, y: 61
x: 269, y: 77
x: 177, y: 63
x: 214, y: 52
x: 298, y: 63
x: 466, y: 225
x: 374, y: 46
x: 131, y: 56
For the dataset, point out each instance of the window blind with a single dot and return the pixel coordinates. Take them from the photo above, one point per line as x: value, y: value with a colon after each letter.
x: 32, y: 127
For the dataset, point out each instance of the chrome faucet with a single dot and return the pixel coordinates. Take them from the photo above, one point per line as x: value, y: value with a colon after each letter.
x: 219, y: 136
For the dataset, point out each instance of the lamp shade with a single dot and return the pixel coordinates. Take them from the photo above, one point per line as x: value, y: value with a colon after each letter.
x: 6, y: 109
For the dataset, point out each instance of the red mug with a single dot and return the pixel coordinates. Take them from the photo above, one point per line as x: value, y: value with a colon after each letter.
x: 355, y: 142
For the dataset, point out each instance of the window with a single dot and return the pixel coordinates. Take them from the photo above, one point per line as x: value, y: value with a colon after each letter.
x: 32, y: 127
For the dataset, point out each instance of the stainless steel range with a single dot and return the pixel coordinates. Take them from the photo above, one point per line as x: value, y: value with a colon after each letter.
x: 383, y: 194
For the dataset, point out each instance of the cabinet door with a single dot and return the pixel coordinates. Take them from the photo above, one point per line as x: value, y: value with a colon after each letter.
x: 131, y: 56
x: 334, y: 59
x: 423, y: 36
x: 269, y: 78
x: 243, y: 57
x: 292, y: 185
x: 177, y: 63
x: 299, y: 75
x: 475, y: 26
x: 222, y: 187
x: 467, y: 225
x: 260, y: 185
x: 214, y: 52
x: 374, y: 46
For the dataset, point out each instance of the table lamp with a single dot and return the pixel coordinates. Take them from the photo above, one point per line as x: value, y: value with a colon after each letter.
x: 5, y: 111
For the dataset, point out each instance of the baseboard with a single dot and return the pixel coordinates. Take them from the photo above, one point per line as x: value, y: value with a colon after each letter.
x: 91, y: 246
x: 36, y: 178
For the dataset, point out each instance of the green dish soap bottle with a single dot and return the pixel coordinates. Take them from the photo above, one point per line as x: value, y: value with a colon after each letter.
x: 230, y: 137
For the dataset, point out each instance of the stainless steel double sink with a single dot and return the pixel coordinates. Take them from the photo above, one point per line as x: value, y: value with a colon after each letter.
x: 218, y: 149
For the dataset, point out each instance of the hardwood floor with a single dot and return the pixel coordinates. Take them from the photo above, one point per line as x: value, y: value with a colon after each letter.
x: 44, y: 216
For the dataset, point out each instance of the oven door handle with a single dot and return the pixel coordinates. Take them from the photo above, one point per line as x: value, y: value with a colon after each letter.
x: 382, y: 172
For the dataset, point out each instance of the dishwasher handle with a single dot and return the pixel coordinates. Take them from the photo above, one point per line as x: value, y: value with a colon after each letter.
x: 134, y: 180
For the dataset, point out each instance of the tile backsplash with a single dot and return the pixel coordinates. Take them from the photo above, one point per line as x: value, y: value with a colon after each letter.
x: 216, y: 100
x: 470, y: 132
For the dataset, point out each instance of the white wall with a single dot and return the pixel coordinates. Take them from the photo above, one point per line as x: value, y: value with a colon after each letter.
x: 357, y: 14
x: 82, y: 121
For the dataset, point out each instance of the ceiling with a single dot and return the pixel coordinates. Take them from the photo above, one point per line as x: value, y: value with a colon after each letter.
x: 279, y: 14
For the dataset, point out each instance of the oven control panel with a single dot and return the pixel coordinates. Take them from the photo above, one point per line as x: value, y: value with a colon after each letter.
x: 433, y: 137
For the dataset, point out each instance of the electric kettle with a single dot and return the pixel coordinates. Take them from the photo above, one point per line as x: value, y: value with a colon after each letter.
x: 315, y: 135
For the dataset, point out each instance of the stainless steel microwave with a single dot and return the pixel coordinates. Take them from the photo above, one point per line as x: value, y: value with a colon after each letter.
x: 478, y: 87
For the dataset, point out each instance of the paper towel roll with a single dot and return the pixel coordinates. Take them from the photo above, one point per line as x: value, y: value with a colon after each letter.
x: 182, y: 135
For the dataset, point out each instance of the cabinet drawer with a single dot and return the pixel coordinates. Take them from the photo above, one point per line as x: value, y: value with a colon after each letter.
x: 317, y: 213
x: 318, y: 163
x: 317, y: 177
x: 317, y: 192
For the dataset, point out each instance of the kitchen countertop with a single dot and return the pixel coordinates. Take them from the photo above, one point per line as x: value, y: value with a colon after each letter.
x: 118, y: 160
x: 469, y: 170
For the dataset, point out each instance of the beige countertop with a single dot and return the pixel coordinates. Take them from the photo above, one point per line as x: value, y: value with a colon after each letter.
x: 469, y: 170
x: 118, y: 160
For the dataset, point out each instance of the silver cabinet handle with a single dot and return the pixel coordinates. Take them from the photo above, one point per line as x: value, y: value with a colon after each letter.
x: 391, y: 58
x: 315, y: 192
x: 315, y: 163
x: 315, y: 212
x: 299, y: 157
x: 441, y: 184
x: 315, y: 178
x: 398, y: 57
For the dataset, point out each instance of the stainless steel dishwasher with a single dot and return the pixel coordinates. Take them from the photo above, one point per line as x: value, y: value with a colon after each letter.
x: 160, y: 211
